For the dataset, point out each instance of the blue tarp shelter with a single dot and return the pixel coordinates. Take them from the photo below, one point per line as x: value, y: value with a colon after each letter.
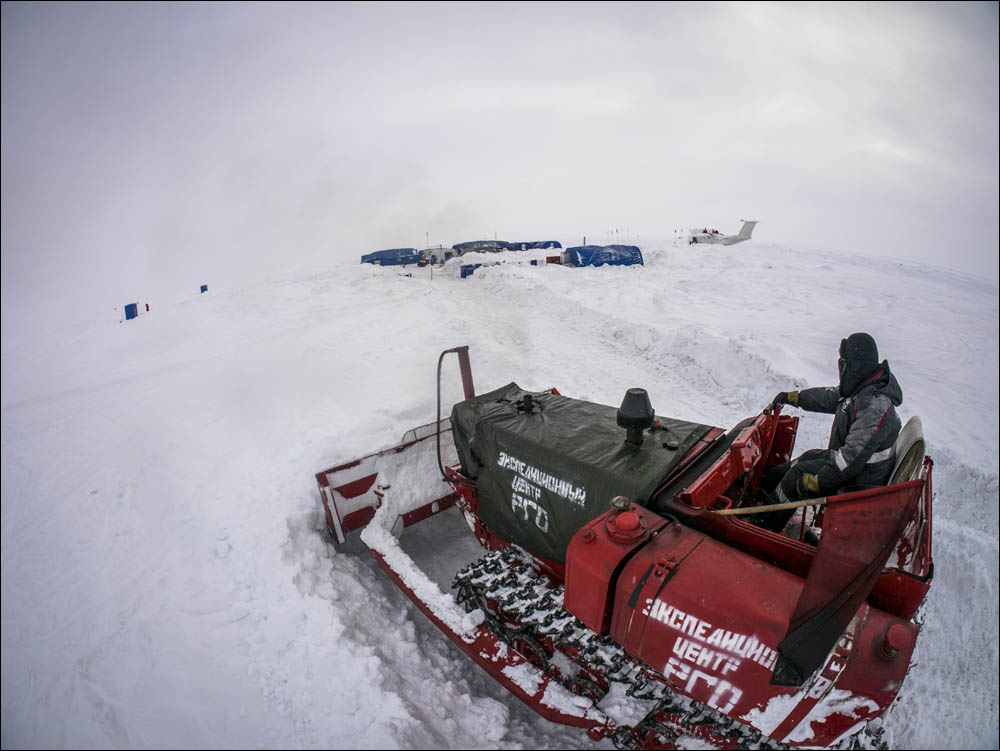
x: 468, y: 269
x: 600, y: 255
x: 480, y: 246
x: 392, y: 257
x: 135, y: 309
x: 534, y: 245
x: 204, y: 288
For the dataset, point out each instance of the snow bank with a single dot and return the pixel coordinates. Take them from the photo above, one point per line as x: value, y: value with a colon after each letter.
x: 166, y: 577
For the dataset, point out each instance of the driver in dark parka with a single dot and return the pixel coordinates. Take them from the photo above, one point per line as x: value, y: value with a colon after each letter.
x: 865, y: 428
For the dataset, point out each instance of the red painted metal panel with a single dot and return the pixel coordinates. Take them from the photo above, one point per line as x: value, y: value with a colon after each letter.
x: 860, y: 531
x: 357, y: 487
x: 594, y: 559
x: 745, y: 452
x: 429, y: 509
x: 357, y: 519
x: 709, y: 618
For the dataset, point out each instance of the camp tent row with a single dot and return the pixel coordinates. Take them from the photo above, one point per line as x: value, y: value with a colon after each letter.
x: 133, y: 310
x: 585, y: 255
x: 406, y: 256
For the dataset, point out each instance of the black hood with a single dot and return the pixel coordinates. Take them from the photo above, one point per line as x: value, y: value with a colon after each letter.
x: 858, y: 362
x: 879, y: 378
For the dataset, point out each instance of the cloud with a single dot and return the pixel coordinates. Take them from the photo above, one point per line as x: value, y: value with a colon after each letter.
x: 145, y: 145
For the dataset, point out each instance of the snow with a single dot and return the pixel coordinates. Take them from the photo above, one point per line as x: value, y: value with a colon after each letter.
x: 842, y: 702
x: 167, y: 580
x: 771, y: 714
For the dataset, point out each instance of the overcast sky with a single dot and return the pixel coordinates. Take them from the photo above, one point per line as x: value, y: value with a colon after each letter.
x: 150, y: 148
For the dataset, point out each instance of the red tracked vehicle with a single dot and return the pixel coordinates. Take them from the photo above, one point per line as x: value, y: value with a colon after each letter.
x: 622, y: 561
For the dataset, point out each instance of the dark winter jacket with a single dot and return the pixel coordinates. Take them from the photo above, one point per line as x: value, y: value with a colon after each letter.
x: 865, y: 427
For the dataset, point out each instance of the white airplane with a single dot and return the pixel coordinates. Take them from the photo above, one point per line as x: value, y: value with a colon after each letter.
x: 706, y: 235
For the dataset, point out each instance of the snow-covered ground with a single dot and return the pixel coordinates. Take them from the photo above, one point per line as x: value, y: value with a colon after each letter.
x: 166, y: 576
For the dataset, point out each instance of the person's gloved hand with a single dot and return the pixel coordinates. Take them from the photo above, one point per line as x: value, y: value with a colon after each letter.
x: 807, y: 486
x: 785, y: 397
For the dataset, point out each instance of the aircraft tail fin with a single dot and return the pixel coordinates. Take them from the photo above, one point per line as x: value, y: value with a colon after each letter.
x: 747, y: 229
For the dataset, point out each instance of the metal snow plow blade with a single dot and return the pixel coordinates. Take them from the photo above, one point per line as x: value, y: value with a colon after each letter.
x: 352, y: 492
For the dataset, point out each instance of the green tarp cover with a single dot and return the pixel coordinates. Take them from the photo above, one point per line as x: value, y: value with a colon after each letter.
x: 542, y: 476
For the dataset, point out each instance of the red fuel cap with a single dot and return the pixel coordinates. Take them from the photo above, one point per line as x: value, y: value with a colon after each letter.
x: 625, y: 527
x: 627, y: 521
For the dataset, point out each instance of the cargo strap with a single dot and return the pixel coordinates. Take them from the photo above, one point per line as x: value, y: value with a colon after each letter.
x: 772, y: 507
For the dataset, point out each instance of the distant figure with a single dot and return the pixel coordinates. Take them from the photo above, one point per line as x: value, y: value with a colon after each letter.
x: 865, y: 427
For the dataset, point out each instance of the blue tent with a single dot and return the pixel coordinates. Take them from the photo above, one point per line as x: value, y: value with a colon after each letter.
x: 599, y: 255
x: 392, y: 257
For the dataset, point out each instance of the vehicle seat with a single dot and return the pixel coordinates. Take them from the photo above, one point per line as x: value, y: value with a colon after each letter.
x: 909, y: 448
